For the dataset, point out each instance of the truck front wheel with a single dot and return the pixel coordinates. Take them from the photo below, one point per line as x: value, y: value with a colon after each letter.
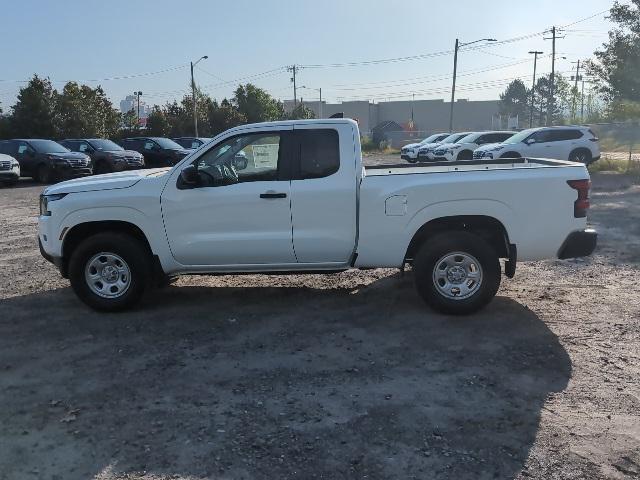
x: 110, y: 271
x: 457, y: 272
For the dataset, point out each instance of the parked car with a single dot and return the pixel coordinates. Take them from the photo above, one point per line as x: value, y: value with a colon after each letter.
x: 426, y: 152
x: 107, y: 156
x: 410, y: 152
x: 575, y: 143
x: 463, y: 148
x: 306, y: 204
x: 46, y: 160
x: 191, y: 142
x: 157, y: 151
x: 9, y: 170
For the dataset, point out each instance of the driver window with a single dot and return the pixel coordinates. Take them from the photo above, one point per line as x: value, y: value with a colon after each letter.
x: 83, y: 147
x: 148, y: 145
x: 541, y: 136
x: 245, y: 158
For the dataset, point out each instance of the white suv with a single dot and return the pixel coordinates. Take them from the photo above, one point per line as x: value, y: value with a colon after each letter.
x: 463, y: 148
x: 425, y: 153
x: 410, y: 152
x: 577, y: 144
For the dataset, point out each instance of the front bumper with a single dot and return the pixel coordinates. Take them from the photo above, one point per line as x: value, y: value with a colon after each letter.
x: 579, y: 244
x: 9, y: 175
x: 57, y: 261
x: 67, y: 171
x: 407, y: 156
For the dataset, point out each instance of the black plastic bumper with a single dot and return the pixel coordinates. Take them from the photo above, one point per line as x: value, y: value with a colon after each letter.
x: 57, y: 261
x: 579, y: 244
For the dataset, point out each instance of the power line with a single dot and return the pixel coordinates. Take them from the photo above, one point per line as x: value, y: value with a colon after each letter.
x: 586, y: 18
x: 117, y: 77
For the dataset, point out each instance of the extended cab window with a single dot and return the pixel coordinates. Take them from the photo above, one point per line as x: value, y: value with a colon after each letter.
x: 245, y: 158
x: 319, y: 153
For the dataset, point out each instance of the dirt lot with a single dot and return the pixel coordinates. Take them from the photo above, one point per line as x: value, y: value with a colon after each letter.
x: 336, y: 376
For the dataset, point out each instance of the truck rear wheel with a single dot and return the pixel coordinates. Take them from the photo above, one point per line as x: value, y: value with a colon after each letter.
x: 110, y: 271
x: 457, y: 272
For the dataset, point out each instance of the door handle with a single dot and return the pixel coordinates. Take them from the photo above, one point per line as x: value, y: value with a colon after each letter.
x: 273, y: 195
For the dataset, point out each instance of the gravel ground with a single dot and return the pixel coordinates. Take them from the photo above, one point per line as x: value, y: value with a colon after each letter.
x: 333, y: 376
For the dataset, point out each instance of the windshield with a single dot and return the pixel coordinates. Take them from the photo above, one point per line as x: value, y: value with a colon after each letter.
x: 168, y: 144
x: 48, y: 146
x: 471, y: 138
x: 519, y: 137
x: 105, y: 145
x: 431, y: 139
x: 454, y: 138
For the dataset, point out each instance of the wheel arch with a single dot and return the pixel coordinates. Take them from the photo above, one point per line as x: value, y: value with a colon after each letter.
x: 489, y: 228
x: 81, y: 231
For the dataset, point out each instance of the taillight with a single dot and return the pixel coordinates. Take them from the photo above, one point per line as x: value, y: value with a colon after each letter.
x: 581, y: 205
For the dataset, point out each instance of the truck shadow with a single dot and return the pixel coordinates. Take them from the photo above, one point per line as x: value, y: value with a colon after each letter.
x: 272, y: 383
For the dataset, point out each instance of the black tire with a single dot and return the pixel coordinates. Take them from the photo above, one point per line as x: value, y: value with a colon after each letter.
x: 465, y: 155
x: 515, y: 155
x: 136, y: 257
x: 446, y: 244
x: 43, y: 174
x: 581, y: 155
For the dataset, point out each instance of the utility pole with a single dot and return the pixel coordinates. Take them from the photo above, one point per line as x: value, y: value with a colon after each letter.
x: 137, y: 95
x: 294, y: 69
x: 552, y: 77
x: 574, y: 106
x: 582, y: 104
x: 413, y: 99
x: 453, y: 85
x: 193, y: 97
x: 455, y: 72
x: 535, y: 54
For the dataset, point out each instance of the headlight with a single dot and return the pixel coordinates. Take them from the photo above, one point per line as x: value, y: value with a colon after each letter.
x: 44, y: 202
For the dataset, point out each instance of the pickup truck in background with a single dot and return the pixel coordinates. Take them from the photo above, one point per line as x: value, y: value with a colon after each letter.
x: 303, y: 202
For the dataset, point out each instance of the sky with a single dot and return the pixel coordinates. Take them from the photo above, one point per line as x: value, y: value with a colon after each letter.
x: 146, y: 45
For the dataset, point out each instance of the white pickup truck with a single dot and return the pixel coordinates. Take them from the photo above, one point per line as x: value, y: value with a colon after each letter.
x: 294, y: 197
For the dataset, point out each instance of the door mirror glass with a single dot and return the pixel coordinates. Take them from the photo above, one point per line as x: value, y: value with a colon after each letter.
x: 189, y: 175
x: 530, y: 141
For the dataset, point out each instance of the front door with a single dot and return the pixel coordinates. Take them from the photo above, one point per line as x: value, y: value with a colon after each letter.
x: 239, y: 213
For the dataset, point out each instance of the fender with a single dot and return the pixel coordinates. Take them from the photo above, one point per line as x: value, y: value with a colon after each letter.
x: 450, y: 208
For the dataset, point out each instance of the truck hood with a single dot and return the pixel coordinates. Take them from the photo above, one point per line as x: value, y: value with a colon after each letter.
x: 108, y: 181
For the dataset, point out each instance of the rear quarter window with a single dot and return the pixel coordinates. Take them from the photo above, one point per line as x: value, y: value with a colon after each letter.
x: 319, y: 153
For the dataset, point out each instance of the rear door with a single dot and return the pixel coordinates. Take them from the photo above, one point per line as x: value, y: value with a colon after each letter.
x: 324, y: 193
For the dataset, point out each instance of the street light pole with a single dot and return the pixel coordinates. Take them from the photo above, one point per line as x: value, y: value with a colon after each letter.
x: 137, y: 95
x: 193, y: 95
x: 455, y: 71
x: 533, y: 87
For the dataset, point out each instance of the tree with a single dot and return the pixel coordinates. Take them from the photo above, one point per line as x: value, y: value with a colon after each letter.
x: 81, y: 111
x: 618, y: 63
x: 301, y: 112
x: 158, y: 123
x: 224, y: 116
x: 256, y: 104
x: 515, y: 100
x: 33, y: 114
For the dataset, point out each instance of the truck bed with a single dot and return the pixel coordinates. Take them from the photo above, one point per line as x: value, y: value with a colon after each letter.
x: 465, y: 166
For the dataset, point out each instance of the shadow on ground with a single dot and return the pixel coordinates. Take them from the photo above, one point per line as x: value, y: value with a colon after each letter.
x: 271, y: 383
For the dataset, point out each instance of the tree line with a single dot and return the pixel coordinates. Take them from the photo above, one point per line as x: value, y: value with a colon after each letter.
x: 613, y: 76
x: 80, y: 111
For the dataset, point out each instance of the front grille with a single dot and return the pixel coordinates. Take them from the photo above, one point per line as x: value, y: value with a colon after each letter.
x: 133, y: 160
x: 5, y: 165
x: 78, y: 162
x: 439, y: 152
x: 478, y: 155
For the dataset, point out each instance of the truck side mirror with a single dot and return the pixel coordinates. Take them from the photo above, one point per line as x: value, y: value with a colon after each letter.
x: 189, y: 175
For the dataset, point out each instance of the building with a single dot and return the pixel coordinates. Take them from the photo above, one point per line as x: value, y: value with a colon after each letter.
x: 418, y: 118
x: 131, y: 103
